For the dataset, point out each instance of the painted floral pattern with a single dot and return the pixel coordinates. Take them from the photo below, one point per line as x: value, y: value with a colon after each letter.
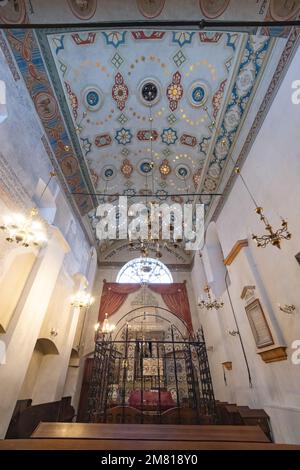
x: 169, y: 136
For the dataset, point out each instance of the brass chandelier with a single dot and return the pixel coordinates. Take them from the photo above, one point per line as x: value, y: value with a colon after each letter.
x: 272, y: 237
x: 210, y: 303
x: 26, y: 230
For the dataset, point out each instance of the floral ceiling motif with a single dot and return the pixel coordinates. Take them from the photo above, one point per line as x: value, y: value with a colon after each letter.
x: 137, y: 118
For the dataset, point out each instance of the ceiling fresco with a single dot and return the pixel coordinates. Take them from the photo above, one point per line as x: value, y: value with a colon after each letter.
x: 147, y: 113
x: 43, y: 11
x: 143, y: 104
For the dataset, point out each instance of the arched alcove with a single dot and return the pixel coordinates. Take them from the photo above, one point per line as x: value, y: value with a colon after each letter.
x: 47, y: 346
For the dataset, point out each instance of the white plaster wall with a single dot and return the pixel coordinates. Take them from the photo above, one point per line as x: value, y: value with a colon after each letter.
x: 23, y: 164
x: 272, y: 173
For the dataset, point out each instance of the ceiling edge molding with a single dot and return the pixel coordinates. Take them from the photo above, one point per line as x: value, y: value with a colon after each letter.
x: 280, y: 72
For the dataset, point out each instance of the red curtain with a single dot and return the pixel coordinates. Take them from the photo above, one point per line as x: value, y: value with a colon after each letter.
x: 113, y: 297
x: 174, y: 295
x: 176, y: 299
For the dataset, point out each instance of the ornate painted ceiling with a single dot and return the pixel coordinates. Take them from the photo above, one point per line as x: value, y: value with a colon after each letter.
x: 144, y: 111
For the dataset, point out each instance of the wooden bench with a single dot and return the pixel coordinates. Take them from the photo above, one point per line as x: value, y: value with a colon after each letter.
x: 150, y: 432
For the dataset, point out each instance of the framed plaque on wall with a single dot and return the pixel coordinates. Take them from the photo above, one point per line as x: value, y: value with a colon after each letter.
x: 259, y: 326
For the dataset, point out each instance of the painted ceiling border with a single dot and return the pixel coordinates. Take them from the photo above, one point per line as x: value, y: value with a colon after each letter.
x: 27, y: 53
x: 42, y: 38
x: 278, y: 76
x: 233, y: 101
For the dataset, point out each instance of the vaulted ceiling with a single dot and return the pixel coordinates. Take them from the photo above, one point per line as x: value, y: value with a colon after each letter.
x: 145, y: 111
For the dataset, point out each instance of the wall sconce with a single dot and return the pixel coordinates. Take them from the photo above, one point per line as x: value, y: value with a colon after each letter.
x: 289, y: 309
x: 227, y: 365
x: 233, y: 332
x: 53, y: 332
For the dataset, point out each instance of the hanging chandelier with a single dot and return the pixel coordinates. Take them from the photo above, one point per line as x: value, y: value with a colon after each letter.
x: 210, y: 303
x: 272, y: 237
x: 82, y: 299
x: 106, y: 327
x: 26, y: 230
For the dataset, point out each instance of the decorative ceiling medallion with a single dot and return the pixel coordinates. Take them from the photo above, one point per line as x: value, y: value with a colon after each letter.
x: 120, y: 91
x: 126, y: 168
x: 182, y: 37
x: 92, y: 98
x: 82, y: 39
x: 188, y: 140
x: 175, y: 91
x: 209, y: 184
x: 69, y: 166
x: 150, y: 8
x: 161, y: 194
x: 114, y: 38
x: 169, y: 136
x: 182, y: 171
x: 165, y: 168
x: 213, y: 8
x: 210, y: 37
x: 204, y: 145
x: 13, y: 12
x: 83, y: 9
x: 283, y: 11
x: 103, y: 140
x: 108, y: 172
x: 46, y: 105
x: 123, y: 136
x: 145, y: 167
x: 148, y: 34
x: 198, y: 93
x: 149, y: 91
x: 146, y: 134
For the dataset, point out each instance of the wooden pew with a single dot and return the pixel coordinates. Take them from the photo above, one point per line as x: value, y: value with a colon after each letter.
x: 150, y: 432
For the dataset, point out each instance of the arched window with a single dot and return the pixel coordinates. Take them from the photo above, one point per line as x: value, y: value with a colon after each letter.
x: 145, y: 270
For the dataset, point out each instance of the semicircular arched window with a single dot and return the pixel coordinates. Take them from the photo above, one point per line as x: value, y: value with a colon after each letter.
x: 145, y: 271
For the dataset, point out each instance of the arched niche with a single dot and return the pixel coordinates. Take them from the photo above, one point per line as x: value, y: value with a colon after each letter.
x: 213, y: 260
x: 47, y: 346
x: 18, y: 266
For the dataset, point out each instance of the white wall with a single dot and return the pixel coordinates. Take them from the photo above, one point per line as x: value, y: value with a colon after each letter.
x: 272, y: 173
x: 39, y: 306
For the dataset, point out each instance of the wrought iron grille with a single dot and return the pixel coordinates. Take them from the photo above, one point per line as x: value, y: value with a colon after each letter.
x: 138, y: 378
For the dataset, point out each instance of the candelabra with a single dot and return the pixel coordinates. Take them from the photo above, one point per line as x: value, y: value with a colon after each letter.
x: 82, y: 299
x: 272, y: 237
x: 106, y: 328
x: 26, y: 230
x: 233, y: 332
x: 210, y: 303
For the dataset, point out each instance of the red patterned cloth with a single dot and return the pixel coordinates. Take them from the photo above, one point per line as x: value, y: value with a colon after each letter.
x: 174, y: 295
x: 151, y: 400
x: 113, y: 297
x: 176, y: 299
